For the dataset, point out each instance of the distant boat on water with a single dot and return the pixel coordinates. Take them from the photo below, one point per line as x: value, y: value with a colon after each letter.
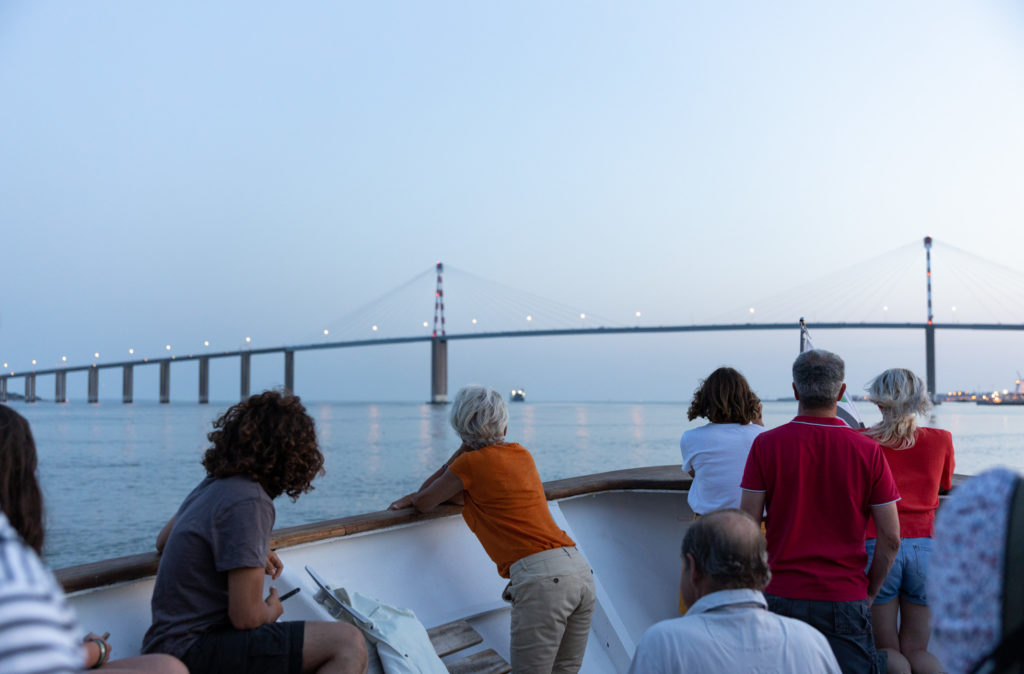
x: 517, y: 396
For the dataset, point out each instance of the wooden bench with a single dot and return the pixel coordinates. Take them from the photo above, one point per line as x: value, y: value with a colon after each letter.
x: 459, y: 635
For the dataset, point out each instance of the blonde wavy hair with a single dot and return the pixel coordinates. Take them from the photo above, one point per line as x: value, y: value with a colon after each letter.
x: 901, y: 396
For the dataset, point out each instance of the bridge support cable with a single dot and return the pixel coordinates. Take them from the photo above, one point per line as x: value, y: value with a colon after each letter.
x: 864, y: 291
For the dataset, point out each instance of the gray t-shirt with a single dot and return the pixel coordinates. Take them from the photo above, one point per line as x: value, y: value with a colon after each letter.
x: 223, y: 524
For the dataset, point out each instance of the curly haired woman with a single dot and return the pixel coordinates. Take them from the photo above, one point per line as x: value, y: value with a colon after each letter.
x: 716, y: 453
x: 921, y: 461
x: 208, y: 605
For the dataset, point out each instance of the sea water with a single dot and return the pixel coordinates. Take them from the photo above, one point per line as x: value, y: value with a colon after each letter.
x: 113, y: 474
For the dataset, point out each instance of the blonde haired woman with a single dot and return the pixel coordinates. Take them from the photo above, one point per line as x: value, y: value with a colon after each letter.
x: 921, y: 461
x: 551, y: 585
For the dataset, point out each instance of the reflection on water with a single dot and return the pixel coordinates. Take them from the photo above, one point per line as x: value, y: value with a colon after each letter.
x: 112, y: 474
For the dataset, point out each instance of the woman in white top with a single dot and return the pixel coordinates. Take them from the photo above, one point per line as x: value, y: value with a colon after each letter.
x: 715, y: 453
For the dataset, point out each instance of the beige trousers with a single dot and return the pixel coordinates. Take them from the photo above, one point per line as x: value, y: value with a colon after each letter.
x: 552, y: 596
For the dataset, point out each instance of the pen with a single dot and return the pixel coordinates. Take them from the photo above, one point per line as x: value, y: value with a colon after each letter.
x: 289, y: 593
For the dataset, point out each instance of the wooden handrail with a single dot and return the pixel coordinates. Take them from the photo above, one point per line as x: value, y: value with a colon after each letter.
x: 133, y: 567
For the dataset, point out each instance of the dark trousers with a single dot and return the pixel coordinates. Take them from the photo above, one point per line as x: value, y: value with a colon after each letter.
x: 846, y: 625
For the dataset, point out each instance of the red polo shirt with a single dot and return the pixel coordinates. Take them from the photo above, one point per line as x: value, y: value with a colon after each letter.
x: 820, y: 479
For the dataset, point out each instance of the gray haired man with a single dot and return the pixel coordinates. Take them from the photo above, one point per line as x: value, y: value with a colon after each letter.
x: 819, y: 482
x: 728, y: 627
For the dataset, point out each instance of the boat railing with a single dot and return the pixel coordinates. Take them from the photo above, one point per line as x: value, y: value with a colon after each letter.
x: 134, y: 567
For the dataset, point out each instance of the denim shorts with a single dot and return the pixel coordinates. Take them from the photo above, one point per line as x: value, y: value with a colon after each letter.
x: 907, y: 577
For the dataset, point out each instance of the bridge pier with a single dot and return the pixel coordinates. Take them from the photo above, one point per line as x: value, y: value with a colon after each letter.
x: 165, y: 381
x: 30, y: 388
x: 439, y: 371
x: 204, y: 380
x: 244, y: 383
x: 94, y: 384
x: 929, y: 357
x: 127, y: 385
x: 3, y: 390
x: 289, y: 371
x: 60, y: 392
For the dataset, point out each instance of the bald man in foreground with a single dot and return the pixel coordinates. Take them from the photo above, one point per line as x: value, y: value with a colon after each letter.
x: 728, y: 627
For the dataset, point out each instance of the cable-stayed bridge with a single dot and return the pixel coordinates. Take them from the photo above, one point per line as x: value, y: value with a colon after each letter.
x: 486, y: 310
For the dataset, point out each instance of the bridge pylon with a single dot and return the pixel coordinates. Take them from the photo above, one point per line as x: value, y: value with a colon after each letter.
x: 439, y: 347
x: 929, y: 330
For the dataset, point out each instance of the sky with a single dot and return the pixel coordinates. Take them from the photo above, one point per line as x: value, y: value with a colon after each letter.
x: 176, y: 173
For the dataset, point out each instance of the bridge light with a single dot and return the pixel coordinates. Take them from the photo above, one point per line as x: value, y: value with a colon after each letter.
x: 583, y: 316
x: 168, y: 347
x: 326, y: 332
x: 474, y: 321
x: 374, y: 328
x: 131, y: 352
x: 425, y: 324
x: 206, y: 342
x: 96, y: 355
x: 33, y: 361
x: 751, y: 309
x: 529, y: 318
x: 638, y: 314
x: 64, y: 358
x: 5, y: 366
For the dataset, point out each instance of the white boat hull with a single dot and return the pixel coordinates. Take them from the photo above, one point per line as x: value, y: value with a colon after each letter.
x: 436, y: 567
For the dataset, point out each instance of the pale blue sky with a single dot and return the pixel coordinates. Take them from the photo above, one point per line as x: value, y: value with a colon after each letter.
x: 175, y: 172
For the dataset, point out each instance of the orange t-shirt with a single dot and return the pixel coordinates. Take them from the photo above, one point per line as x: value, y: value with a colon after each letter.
x: 505, y: 504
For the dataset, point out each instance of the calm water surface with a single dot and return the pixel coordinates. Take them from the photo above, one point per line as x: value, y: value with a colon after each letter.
x: 112, y: 474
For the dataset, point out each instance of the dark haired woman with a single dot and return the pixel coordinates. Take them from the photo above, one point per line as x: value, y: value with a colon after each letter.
x: 716, y: 453
x: 37, y: 627
x: 921, y: 461
x: 208, y: 604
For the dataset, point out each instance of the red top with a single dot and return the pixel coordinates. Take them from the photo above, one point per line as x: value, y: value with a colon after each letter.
x: 505, y: 504
x: 820, y: 479
x: 920, y: 471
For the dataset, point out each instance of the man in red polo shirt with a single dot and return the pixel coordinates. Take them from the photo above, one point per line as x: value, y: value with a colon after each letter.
x: 820, y: 482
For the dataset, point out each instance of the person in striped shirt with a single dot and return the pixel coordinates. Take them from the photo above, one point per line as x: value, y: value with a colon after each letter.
x: 38, y: 630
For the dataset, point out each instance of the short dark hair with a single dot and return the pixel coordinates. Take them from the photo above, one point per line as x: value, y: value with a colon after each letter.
x: 20, y: 497
x: 269, y: 438
x: 728, y: 546
x: 725, y: 398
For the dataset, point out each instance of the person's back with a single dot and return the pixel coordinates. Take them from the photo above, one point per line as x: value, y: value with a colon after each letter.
x: 920, y: 472
x: 38, y: 626
x: 728, y: 627
x: 819, y: 482
x: 714, y: 454
x: 716, y: 635
x: 820, y: 479
x: 223, y: 524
